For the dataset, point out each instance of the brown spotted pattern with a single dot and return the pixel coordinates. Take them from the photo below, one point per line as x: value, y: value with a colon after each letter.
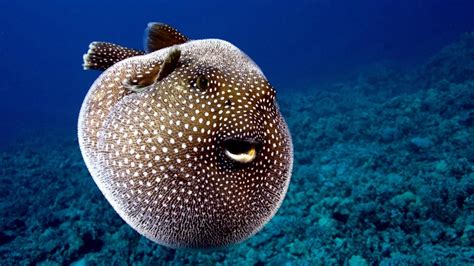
x: 158, y: 155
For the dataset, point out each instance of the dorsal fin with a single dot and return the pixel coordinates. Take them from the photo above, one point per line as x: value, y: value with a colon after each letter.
x: 159, y: 35
x: 102, y: 55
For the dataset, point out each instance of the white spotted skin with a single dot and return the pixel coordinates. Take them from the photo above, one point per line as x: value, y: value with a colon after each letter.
x: 158, y: 158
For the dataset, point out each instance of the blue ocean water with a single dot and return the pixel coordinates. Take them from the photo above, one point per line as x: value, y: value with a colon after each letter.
x: 378, y: 95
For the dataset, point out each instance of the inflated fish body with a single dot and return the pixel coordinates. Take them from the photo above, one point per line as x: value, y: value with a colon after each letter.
x: 185, y: 141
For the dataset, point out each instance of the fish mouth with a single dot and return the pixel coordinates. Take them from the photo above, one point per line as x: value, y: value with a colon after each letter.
x: 242, y: 151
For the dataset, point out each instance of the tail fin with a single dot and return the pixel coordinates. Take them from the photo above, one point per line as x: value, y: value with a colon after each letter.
x: 102, y: 55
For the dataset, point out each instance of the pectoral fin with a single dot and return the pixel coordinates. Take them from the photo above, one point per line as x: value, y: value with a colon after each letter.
x: 147, y: 75
x: 170, y: 63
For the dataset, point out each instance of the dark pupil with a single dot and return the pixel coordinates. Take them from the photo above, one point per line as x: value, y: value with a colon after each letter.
x: 202, y: 82
x: 237, y: 146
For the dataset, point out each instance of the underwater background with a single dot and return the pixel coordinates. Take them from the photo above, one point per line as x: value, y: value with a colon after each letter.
x: 378, y: 96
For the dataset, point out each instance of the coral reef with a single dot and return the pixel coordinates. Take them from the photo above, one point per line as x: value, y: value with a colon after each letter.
x: 380, y: 177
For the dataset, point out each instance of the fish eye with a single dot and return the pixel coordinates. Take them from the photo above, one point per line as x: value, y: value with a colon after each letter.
x: 240, y: 151
x: 202, y: 82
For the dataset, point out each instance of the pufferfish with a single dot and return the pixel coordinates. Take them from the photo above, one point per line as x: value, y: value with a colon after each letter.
x: 185, y: 139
